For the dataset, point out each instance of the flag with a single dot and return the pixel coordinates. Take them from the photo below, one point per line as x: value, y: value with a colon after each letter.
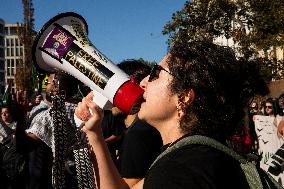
x: 6, y: 98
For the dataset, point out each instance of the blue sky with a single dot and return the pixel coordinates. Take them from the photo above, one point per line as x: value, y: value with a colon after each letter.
x: 120, y: 29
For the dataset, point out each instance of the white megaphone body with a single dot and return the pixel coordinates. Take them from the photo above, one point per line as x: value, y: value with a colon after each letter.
x: 62, y: 44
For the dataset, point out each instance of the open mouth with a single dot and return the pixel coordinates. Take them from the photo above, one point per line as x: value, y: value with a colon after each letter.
x: 143, y: 99
x: 136, y: 107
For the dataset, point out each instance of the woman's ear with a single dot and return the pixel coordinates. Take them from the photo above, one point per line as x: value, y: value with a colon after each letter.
x: 188, y: 96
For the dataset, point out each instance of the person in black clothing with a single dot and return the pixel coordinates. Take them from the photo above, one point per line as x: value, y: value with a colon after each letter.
x: 141, y: 145
x: 198, y: 89
x: 113, y: 127
x: 13, y: 160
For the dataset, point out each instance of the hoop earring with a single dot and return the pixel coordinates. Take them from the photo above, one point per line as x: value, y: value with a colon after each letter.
x: 178, y: 110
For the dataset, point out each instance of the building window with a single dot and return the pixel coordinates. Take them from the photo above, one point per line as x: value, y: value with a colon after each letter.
x: 12, y: 67
x: 8, y: 71
x: 1, y: 41
x: 12, y: 42
x: 12, y: 51
x: 11, y: 83
x: 2, y: 65
x: 8, y: 52
x: 13, y: 31
x: 17, y: 42
x: 1, y: 52
x: 17, y: 51
x: 7, y: 42
x: 6, y: 31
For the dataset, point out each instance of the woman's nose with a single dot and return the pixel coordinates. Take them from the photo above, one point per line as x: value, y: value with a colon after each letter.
x: 144, y: 82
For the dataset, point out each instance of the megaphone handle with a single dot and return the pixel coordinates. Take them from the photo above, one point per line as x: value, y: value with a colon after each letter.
x: 101, y: 101
x: 78, y: 121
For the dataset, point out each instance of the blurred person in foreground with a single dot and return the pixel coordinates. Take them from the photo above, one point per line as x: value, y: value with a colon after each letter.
x: 199, y: 88
x: 40, y: 134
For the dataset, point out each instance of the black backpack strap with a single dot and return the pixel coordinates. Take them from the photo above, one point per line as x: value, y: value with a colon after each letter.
x: 249, y: 168
x: 30, y: 119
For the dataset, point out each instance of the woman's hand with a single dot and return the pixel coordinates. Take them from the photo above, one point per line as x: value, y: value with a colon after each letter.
x: 95, y: 120
x: 92, y: 119
x: 82, y: 111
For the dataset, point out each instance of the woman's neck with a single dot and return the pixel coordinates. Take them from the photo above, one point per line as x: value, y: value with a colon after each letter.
x: 170, y: 133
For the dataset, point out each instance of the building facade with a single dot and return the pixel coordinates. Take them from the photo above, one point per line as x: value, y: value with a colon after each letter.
x: 2, y: 56
x: 11, y: 55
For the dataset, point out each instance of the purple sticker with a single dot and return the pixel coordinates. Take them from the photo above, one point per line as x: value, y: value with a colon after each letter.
x: 58, y: 43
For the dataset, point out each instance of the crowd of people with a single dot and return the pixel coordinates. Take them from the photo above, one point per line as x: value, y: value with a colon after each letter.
x: 132, y: 143
x: 188, y: 94
x: 245, y: 139
x: 272, y: 107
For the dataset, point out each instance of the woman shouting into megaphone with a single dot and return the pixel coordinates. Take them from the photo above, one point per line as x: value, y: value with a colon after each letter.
x: 188, y: 94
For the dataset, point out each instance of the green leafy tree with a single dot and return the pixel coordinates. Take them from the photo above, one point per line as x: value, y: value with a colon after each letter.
x: 254, y: 25
x: 203, y: 19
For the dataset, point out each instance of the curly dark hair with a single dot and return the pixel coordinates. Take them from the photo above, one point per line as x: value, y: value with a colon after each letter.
x: 223, y: 86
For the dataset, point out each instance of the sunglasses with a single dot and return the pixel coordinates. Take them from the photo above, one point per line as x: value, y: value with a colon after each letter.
x: 46, y: 82
x: 269, y: 107
x: 154, y: 74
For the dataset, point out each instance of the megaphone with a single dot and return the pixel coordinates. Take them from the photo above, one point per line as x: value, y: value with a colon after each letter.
x: 62, y: 45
